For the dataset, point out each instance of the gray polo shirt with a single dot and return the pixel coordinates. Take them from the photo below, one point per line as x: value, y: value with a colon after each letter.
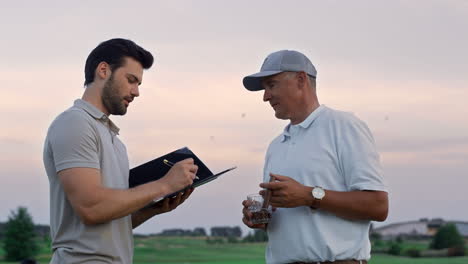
x: 83, y: 136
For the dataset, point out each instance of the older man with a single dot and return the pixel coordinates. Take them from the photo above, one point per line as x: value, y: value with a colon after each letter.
x: 328, y: 184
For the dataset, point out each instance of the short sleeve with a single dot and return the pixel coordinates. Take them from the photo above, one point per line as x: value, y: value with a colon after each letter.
x: 73, y: 141
x: 358, y: 156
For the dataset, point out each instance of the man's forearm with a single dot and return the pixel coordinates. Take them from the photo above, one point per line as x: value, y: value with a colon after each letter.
x: 354, y: 205
x: 108, y: 204
x: 140, y: 216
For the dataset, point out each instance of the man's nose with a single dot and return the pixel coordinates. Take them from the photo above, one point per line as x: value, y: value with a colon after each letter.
x: 135, y: 91
x: 266, y: 95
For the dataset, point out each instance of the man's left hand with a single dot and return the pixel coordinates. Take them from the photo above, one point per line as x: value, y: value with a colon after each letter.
x: 286, y: 192
x: 169, y: 204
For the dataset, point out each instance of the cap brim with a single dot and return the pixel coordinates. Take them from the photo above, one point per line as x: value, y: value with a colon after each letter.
x: 253, y: 82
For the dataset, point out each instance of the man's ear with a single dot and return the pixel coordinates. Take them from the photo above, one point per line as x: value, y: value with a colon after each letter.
x: 301, y: 79
x: 103, y: 70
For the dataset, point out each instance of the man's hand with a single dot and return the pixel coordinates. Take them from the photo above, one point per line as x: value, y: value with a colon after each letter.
x: 248, y: 216
x: 161, y: 207
x: 286, y: 192
x: 180, y: 175
x: 169, y: 204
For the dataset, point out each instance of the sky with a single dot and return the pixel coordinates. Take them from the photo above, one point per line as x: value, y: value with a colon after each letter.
x: 400, y: 66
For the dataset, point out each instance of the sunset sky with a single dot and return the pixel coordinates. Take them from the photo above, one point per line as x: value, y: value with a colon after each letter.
x: 401, y: 66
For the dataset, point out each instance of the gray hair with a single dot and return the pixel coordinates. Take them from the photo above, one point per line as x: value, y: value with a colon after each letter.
x: 310, y: 79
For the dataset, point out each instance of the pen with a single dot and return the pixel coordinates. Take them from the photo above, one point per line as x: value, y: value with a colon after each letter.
x: 170, y: 164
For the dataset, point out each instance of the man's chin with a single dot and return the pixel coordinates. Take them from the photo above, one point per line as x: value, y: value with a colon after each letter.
x: 280, y: 116
x: 121, y: 111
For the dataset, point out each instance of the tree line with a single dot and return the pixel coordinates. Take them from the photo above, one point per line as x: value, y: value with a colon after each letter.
x: 447, y: 242
x: 20, y: 236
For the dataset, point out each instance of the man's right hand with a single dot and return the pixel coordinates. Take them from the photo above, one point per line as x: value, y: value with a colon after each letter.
x: 180, y: 175
x: 248, y: 216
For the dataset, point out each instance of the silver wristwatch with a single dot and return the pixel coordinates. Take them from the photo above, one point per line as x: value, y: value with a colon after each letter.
x: 318, y: 193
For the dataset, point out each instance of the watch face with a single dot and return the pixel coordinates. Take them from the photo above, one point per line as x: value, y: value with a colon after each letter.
x: 318, y: 193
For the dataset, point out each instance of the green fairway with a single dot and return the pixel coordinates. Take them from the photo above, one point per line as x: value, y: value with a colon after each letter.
x: 185, y: 250
x: 387, y: 259
x: 195, y: 250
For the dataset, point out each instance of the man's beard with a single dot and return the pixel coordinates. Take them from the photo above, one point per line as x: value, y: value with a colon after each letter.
x: 111, y: 99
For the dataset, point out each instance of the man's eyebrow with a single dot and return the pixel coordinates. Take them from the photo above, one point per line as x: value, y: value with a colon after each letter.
x: 134, y: 78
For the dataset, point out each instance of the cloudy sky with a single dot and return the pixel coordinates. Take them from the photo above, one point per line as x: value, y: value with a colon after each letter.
x: 401, y: 66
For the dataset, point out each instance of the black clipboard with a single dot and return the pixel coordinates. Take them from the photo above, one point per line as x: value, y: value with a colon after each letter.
x: 157, y: 168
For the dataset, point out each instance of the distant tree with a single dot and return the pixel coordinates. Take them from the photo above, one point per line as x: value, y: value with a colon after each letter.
x: 226, y: 231
x: 447, y: 237
x: 395, y: 248
x: 199, y: 231
x: 19, y: 242
x: 399, y: 239
x: 260, y: 235
x: 375, y: 236
x: 257, y: 235
x: 236, y: 231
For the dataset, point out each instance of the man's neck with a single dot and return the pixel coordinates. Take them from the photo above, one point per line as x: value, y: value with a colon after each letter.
x: 92, y: 95
x: 307, y: 110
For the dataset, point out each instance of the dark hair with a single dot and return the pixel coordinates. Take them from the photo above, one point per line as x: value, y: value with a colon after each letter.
x: 113, y: 52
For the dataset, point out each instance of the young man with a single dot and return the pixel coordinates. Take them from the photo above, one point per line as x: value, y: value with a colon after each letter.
x: 92, y: 211
x: 328, y: 184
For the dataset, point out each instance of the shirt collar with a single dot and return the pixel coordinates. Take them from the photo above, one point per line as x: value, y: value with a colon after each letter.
x: 96, y: 113
x: 304, y: 124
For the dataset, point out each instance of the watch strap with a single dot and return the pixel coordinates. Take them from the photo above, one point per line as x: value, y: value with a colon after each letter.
x: 316, y: 203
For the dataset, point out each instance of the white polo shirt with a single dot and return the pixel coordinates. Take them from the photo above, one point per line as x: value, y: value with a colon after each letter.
x: 334, y: 150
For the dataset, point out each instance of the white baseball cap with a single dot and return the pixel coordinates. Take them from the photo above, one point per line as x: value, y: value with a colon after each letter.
x: 277, y: 62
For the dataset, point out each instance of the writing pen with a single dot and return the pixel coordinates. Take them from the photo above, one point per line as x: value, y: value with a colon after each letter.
x: 170, y: 164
